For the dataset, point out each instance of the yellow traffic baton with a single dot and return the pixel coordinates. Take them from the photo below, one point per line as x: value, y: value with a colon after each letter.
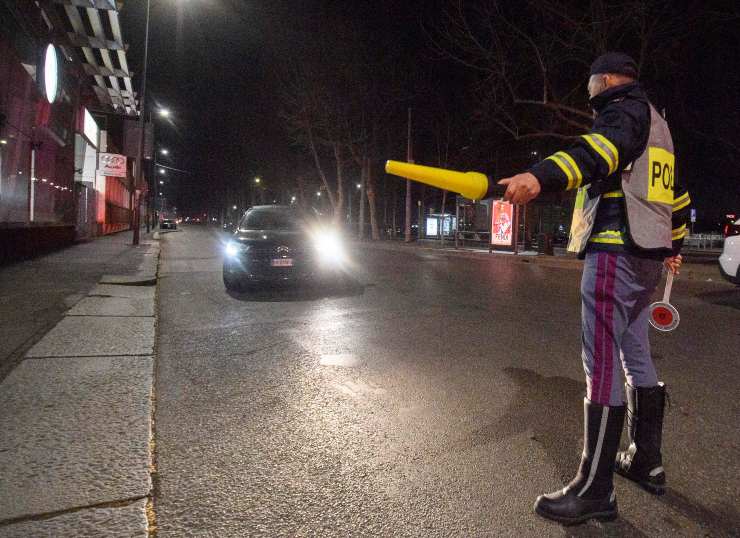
x: 472, y: 185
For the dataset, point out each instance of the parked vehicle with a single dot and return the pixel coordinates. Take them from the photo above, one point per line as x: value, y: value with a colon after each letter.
x: 168, y: 224
x: 729, y: 261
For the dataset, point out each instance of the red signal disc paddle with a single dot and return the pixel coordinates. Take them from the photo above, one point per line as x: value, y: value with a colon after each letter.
x: 663, y: 315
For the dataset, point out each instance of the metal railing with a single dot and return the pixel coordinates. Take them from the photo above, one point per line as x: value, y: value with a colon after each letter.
x: 704, y: 241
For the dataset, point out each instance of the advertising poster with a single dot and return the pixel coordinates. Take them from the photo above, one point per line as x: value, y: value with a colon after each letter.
x: 432, y: 226
x: 502, y: 224
x: 112, y: 164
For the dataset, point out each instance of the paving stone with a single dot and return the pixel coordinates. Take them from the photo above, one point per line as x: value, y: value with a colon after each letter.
x: 133, y: 292
x: 113, y: 306
x: 147, y: 278
x: 121, y: 522
x: 75, y: 432
x: 95, y: 336
x: 149, y: 264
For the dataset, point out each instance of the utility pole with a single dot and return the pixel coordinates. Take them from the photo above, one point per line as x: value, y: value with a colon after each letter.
x: 420, y: 217
x: 409, y: 158
x: 140, y: 160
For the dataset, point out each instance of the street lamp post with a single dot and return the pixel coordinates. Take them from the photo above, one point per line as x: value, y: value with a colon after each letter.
x: 142, y: 108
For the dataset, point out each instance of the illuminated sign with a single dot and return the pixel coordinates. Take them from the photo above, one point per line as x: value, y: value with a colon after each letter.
x: 502, y: 223
x: 432, y: 226
x: 90, y: 129
x: 51, y: 74
x: 448, y: 225
x: 112, y: 164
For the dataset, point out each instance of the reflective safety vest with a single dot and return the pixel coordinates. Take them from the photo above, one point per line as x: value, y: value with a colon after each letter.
x: 647, y: 185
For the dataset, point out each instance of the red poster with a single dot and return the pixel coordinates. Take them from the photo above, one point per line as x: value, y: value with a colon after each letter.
x: 502, y: 224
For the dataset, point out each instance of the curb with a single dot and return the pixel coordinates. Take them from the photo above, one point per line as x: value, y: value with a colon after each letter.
x: 142, y: 279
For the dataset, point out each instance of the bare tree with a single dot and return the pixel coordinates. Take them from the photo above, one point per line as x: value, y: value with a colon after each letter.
x: 313, y: 114
x: 531, y: 56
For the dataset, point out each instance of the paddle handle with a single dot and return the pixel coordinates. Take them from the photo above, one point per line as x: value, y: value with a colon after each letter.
x: 668, y: 286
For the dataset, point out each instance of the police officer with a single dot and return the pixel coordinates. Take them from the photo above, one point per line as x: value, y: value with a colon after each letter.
x: 629, y: 216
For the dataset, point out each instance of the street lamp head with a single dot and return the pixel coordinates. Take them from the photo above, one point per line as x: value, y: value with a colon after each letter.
x: 359, y: 185
x: 162, y: 171
x: 164, y: 112
x: 234, y: 208
x: 164, y: 151
x: 257, y: 180
x: 161, y: 182
x: 318, y: 193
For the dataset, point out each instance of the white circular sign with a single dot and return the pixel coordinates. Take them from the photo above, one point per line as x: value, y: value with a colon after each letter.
x: 51, y: 74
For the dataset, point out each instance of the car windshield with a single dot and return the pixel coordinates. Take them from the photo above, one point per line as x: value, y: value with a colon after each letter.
x: 271, y: 218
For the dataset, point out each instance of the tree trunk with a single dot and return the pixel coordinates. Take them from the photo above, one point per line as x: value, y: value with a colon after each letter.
x: 361, y: 224
x: 442, y: 231
x: 317, y: 162
x: 339, y: 200
x: 395, y: 210
x: 409, y: 158
x: 385, y: 207
x: 370, y: 187
x: 301, y: 191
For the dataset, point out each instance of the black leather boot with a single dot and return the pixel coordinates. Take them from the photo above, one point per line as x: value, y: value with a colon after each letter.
x: 642, y: 462
x: 590, y: 495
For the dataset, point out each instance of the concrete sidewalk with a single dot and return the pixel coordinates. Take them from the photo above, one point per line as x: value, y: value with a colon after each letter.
x: 36, y: 293
x: 76, y: 409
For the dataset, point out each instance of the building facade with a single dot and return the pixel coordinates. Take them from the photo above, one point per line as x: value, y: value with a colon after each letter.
x: 63, y: 80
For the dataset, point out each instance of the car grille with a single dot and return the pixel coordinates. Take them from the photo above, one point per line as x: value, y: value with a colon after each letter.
x: 268, y: 253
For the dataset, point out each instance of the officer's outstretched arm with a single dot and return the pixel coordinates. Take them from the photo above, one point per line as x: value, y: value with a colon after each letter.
x: 616, y: 139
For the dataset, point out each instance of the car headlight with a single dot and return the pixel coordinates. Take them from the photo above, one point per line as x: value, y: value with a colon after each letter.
x: 329, y: 246
x: 233, y: 248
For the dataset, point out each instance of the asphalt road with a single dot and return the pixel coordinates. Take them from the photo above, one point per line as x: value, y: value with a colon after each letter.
x: 437, y: 397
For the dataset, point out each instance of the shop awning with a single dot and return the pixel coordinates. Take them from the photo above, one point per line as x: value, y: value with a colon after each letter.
x: 93, y: 32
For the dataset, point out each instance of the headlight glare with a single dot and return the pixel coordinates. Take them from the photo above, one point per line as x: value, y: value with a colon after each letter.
x: 329, y: 246
x: 233, y: 249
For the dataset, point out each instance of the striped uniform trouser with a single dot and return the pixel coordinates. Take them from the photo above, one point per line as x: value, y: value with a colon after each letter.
x: 616, y: 291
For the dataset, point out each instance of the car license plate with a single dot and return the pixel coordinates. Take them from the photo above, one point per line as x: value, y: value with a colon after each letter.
x: 282, y: 262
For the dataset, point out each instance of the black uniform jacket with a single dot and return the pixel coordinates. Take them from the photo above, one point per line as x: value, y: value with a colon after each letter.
x: 621, y: 128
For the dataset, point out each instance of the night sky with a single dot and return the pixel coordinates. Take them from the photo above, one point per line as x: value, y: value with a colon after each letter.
x: 216, y: 64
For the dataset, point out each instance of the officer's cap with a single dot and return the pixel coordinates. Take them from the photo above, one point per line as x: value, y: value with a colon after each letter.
x: 614, y: 62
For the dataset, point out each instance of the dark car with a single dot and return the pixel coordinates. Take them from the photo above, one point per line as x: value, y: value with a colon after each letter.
x: 168, y: 224
x: 276, y: 244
